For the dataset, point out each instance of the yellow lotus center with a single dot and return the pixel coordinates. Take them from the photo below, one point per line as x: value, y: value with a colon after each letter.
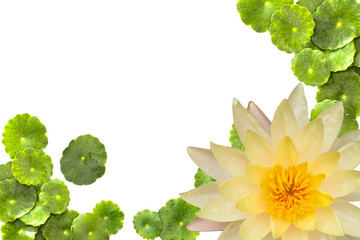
x: 291, y: 192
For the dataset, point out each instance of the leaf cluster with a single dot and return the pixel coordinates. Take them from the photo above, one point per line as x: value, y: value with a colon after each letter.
x: 34, y: 206
x: 325, y: 37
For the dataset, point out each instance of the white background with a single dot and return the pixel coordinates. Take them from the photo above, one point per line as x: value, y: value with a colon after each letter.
x: 148, y: 78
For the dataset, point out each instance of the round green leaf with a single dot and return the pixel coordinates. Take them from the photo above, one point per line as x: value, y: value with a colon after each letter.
x: 37, y: 216
x: 24, y: 131
x: 257, y: 13
x: 321, y: 106
x: 311, y: 5
x: 58, y: 227
x: 291, y: 28
x: 342, y: 86
x: 311, y: 67
x: 83, y: 161
x: 357, y: 54
x: 88, y: 226
x: 201, y: 178
x: 235, y: 140
x: 55, y: 196
x: 147, y: 224
x: 111, y: 214
x: 39, y: 235
x: 15, y: 199
x: 32, y: 167
x: 340, y: 59
x: 337, y: 23
x: 349, y: 123
x: 17, y: 231
x: 175, y: 216
x: 5, y: 171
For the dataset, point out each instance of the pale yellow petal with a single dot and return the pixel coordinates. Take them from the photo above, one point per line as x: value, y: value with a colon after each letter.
x: 341, y: 183
x: 307, y: 222
x: 353, y: 197
x: 326, y: 163
x: 322, y: 199
x: 258, y: 150
x: 232, y: 160
x: 244, y: 120
x: 346, y: 139
x: 316, y: 235
x: 309, y: 140
x: 328, y: 222
x: 332, y: 118
x: 349, y: 216
x: 283, y: 124
x: 286, y: 153
x: 349, y: 156
x: 278, y: 226
x: 205, y: 160
x: 293, y: 233
x: 235, y: 188
x: 255, y: 227
x: 222, y: 210
x: 231, y: 232
x: 203, y: 195
x: 253, y: 202
x: 258, y: 174
x: 298, y: 105
x: 259, y: 115
x: 202, y: 225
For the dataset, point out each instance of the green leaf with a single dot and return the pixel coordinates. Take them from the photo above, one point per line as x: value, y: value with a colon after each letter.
x: 341, y: 58
x: 88, y: 226
x: 357, y: 54
x: 147, y: 224
x: 58, y: 227
x: 37, y: 216
x: 311, y: 5
x: 17, y: 231
x: 5, y: 171
x: 235, y: 140
x: 342, y: 86
x: 111, y: 214
x: 311, y: 67
x: 201, y: 178
x: 175, y: 216
x: 39, y: 235
x: 83, y: 161
x: 55, y: 196
x: 24, y: 131
x: 321, y: 106
x: 337, y: 23
x: 15, y: 199
x: 32, y: 167
x: 291, y: 28
x: 257, y: 13
x: 349, y: 123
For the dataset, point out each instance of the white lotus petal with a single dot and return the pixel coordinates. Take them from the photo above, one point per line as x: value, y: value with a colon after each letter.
x: 263, y: 119
x: 328, y: 222
x: 341, y: 183
x: 332, y: 119
x: 293, y: 233
x: 203, y: 195
x: 353, y: 197
x: 349, y: 216
x: 349, y: 156
x: 231, y: 232
x: 222, y: 210
x: 255, y: 227
x: 346, y: 139
x: 316, y: 235
x: 244, y: 120
x: 232, y: 160
x: 206, y: 161
x: 298, y: 105
x: 202, y: 225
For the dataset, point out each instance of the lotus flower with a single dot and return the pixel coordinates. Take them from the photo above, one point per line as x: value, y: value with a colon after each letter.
x: 294, y: 180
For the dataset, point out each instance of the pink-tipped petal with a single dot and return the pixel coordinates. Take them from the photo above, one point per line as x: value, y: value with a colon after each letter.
x: 202, y: 225
x: 256, y: 111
